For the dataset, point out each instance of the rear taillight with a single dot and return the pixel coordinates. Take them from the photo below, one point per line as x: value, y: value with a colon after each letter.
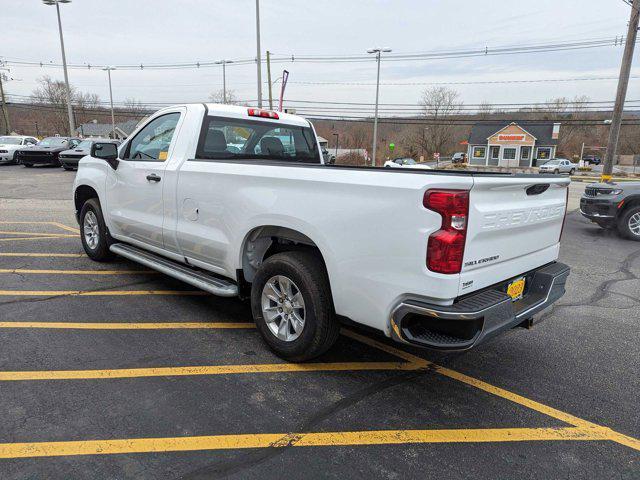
x: 256, y: 112
x: 566, y: 208
x: 445, y: 249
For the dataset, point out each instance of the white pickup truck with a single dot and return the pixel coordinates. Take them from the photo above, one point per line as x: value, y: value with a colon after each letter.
x: 237, y: 201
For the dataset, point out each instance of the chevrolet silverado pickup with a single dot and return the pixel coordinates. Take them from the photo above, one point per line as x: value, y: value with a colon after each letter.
x: 237, y: 201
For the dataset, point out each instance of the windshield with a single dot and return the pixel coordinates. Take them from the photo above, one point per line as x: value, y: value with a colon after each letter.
x: 553, y: 162
x: 53, y: 142
x: 10, y: 140
x: 85, y: 145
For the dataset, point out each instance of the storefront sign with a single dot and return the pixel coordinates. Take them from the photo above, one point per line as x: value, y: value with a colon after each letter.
x: 511, y: 138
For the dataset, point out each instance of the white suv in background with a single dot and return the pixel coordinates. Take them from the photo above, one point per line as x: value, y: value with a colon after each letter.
x: 10, y: 144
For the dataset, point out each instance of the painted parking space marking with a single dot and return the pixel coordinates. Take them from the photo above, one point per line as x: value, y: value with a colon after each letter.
x: 53, y: 224
x: 128, y: 325
x: 28, y: 271
x: 38, y: 234
x: 98, y: 293
x: 44, y: 255
x: 281, y: 440
x: 204, y: 370
x: 14, y: 239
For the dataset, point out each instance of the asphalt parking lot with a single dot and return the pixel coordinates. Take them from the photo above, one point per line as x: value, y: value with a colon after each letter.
x: 112, y: 371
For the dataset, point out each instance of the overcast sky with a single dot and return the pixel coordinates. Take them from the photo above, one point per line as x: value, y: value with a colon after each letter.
x: 153, y: 31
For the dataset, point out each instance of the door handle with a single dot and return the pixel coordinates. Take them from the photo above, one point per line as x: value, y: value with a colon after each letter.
x: 153, y: 178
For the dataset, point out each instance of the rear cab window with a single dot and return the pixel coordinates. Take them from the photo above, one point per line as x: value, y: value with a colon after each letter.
x: 238, y: 139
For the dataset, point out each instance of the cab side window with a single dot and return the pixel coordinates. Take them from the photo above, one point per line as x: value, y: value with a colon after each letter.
x: 153, y: 141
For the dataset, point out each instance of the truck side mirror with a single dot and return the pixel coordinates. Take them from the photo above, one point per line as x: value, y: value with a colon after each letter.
x: 107, y: 152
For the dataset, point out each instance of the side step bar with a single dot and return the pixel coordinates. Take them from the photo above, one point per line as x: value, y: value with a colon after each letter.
x: 197, y: 278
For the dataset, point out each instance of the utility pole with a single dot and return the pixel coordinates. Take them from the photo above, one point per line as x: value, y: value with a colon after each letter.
x: 72, y: 126
x: 378, y: 52
x: 258, y: 58
x: 113, y: 121
x: 5, y: 113
x: 269, y: 80
x: 337, y: 135
x: 623, y: 83
x: 224, y: 78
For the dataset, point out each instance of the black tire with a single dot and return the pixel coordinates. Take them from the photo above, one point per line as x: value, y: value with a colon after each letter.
x: 321, y: 327
x: 28, y: 165
x: 572, y: 171
x: 101, y: 252
x: 623, y: 224
x: 67, y: 168
x: 15, y: 158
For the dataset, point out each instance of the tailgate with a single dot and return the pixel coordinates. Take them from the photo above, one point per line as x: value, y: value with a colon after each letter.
x: 514, y: 226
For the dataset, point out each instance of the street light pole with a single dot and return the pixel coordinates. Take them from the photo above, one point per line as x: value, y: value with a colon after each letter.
x: 378, y: 52
x: 72, y: 126
x: 5, y: 113
x: 623, y: 83
x: 113, y: 121
x: 224, y: 78
x: 258, y: 59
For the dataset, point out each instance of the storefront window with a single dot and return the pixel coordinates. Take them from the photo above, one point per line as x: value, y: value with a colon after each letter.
x: 509, y: 153
x: 479, y: 152
x: 544, y: 153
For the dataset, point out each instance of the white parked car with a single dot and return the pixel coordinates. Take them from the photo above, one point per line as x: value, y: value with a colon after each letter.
x: 474, y: 253
x: 10, y: 144
x: 558, y: 165
x: 405, y: 163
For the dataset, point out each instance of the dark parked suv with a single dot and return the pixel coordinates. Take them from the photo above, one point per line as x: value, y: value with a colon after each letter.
x: 614, y: 205
x: 46, y: 151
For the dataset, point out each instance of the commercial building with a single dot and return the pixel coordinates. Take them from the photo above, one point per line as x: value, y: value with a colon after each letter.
x: 513, y: 143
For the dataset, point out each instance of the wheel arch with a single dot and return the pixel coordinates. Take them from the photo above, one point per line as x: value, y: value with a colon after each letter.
x: 629, y: 202
x: 81, y: 194
x: 266, y: 240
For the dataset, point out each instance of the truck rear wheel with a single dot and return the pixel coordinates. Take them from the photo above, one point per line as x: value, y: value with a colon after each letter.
x: 93, y: 232
x: 629, y: 224
x: 292, y: 306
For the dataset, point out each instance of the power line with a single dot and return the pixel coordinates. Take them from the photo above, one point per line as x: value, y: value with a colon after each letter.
x: 354, y: 58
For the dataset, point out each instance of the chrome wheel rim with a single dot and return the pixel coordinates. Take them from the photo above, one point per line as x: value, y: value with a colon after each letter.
x: 634, y: 223
x: 90, y: 230
x: 283, y: 308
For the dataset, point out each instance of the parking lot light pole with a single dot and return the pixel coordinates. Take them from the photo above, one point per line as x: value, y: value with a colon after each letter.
x: 72, y: 126
x: 113, y: 121
x: 623, y: 83
x: 378, y: 52
x: 224, y: 78
x: 258, y: 58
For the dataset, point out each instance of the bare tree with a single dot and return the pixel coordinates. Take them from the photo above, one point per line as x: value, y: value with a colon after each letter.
x: 133, y: 106
x: 52, y: 93
x: 219, y: 97
x: 484, y: 110
x: 439, y: 105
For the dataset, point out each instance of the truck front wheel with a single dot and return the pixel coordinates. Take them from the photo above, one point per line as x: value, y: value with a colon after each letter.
x: 292, y: 306
x: 93, y: 232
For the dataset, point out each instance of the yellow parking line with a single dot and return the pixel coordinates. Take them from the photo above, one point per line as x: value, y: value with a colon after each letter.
x: 58, y: 236
x: 36, y: 234
x: 65, y: 227
x: 56, y: 224
x: 27, y: 271
x: 128, y: 325
x: 80, y: 293
x: 29, y: 254
x: 281, y: 440
x: 580, y: 423
x: 203, y: 370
